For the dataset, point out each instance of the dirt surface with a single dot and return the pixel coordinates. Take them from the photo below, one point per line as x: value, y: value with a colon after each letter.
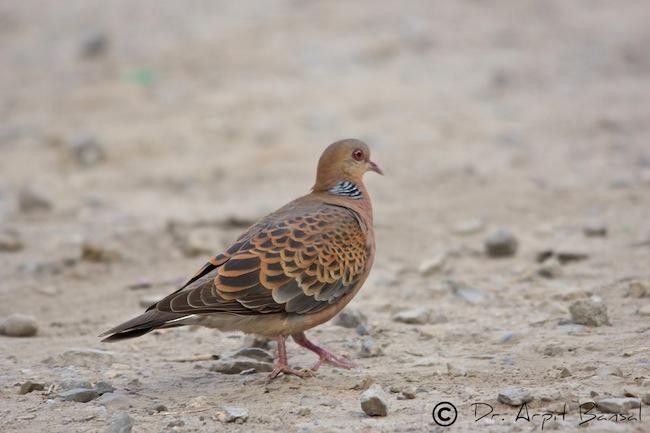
x: 137, y: 138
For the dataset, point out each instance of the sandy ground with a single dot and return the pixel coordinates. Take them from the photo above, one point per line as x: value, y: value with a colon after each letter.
x: 530, y: 116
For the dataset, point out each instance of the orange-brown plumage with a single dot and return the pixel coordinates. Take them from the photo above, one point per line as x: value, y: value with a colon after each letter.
x: 292, y: 270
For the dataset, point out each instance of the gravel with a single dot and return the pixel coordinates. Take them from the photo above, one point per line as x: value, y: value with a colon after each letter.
x: 589, y: 312
x: 501, y: 243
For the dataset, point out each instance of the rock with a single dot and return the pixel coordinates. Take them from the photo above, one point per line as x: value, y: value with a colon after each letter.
x: 501, y: 243
x: 645, y: 398
x: 350, y: 317
x: 589, y: 312
x: 86, y: 150
x: 362, y: 330
x: 468, y: 227
x: 103, y: 388
x: 114, y: 401
x: 80, y: 395
x: 644, y: 310
x: 415, y: 316
x: 236, y: 366
x: 30, y: 201
x: 364, y: 383
x: 595, y: 229
x: 432, y: 265
x: 564, y: 254
x: 455, y: 371
x: 121, y: 422
x: 636, y: 289
x: 160, y: 408
x: 514, y: 396
x: 19, y: 325
x: 83, y: 358
x: 30, y: 386
x: 232, y: 414
x: 553, y: 350
x: 374, y: 401
x: 408, y: 393
x: 469, y: 294
x: 564, y: 373
x: 149, y: 300
x: 550, y: 268
x: 97, y: 253
x: 93, y: 45
x: 369, y: 348
x: 10, y: 241
x: 618, y: 404
x: 253, y: 353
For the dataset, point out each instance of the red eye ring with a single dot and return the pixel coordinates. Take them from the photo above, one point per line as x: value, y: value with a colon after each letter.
x: 357, y: 155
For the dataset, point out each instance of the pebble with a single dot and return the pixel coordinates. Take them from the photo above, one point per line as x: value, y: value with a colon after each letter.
x: 94, y: 252
x: 551, y: 268
x: 408, y: 393
x: 236, y: 366
x: 233, y: 414
x: 415, y: 316
x: 618, y: 404
x: 93, y: 45
x: 253, y: 353
x: 80, y: 395
x: 350, y: 317
x: 468, y: 227
x: 103, y: 388
x: 83, y: 358
x: 432, y: 265
x: 86, y: 150
x: 369, y: 348
x: 115, y: 400
x: 30, y: 386
x: 564, y: 373
x: 501, y: 243
x: 19, y: 325
x: 10, y: 241
x: 644, y: 310
x: 468, y: 294
x: 455, y: 371
x: 374, y: 401
x: 362, y: 330
x: 589, y: 312
x: 121, y: 422
x: 636, y: 289
x: 595, y: 229
x: 514, y: 396
x: 30, y: 201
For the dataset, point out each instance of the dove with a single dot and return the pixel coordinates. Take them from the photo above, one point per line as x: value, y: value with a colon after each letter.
x: 293, y: 270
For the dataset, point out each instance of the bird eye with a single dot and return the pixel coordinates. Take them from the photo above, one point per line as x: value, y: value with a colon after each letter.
x: 357, y: 155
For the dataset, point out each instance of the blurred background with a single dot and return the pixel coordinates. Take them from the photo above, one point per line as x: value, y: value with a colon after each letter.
x: 138, y: 138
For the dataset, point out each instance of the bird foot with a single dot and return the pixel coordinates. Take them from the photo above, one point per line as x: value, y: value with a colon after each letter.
x: 285, y: 369
x: 325, y: 356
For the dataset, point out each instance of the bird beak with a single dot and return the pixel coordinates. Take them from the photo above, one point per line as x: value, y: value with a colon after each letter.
x: 374, y: 167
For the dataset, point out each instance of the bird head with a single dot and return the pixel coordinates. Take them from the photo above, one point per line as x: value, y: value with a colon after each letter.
x: 347, y: 159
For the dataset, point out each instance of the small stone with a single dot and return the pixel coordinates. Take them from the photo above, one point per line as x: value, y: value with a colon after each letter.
x: 236, y: 366
x: 160, y: 408
x: 550, y: 269
x: 408, y: 393
x: 114, y: 401
x: 30, y: 201
x: 350, y: 317
x: 636, y: 289
x: 303, y: 411
x: 595, y: 229
x: 103, y: 388
x: 362, y: 330
x: 467, y: 293
x: 618, y: 404
x: 501, y: 243
x: 564, y: 373
x: 80, y: 395
x: 415, y: 316
x: 30, y: 386
x: 93, y: 45
x: 644, y: 310
x: 10, y: 241
x: 94, y: 252
x: 232, y: 414
x: 121, y: 422
x: 253, y: 353
x: 369, y: 348
x: 432, y: 265
x: 455, y: 371
x: 364, y: 384
x: 514, y: 396
x: 19, y: 325
x: 468, y: 227
x: 553, y: 350
x: 374, y: 401
x: 589, y: 312
x: 86, y: 150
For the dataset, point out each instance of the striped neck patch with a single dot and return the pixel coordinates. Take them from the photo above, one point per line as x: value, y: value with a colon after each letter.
x: 346, y: 188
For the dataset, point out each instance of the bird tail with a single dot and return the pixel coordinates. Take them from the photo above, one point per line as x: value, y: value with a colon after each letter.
x: 142, y: 324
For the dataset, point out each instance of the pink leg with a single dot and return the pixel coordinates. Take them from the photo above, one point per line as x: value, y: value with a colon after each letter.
x: 281, y: 365
x: 323, y: 354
